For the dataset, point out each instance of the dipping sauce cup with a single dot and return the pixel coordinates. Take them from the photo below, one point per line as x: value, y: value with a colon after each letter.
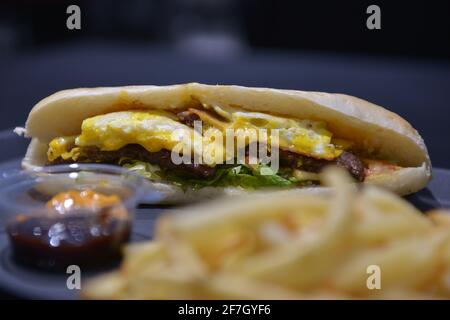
x: 78, y: 214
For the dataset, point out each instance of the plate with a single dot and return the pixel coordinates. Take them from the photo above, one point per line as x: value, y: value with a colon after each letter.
x: 18, y: 281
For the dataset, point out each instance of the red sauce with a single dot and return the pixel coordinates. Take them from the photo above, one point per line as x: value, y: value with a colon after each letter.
x: 376, y: 167
x: 82, y: 227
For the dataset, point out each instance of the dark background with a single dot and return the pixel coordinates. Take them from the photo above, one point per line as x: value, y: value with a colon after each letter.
x: 307, y: 45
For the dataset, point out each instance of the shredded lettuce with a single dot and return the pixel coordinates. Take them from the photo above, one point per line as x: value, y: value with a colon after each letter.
x: 253, y: 177
x: 248, y: 177
x: 145, y: 169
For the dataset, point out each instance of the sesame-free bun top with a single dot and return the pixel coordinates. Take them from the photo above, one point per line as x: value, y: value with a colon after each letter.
x: 364, y: 123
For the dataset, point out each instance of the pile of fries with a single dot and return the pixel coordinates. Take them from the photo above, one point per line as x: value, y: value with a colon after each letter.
x: 282, y: 246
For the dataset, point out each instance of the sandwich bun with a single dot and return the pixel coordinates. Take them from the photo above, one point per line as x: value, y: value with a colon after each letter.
x: 364, y: 123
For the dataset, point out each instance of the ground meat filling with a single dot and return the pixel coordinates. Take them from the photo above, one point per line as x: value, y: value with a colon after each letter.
x: 161, y: 158
x: 353, y: 164
x: 188, y: 118
x: 346, y: 160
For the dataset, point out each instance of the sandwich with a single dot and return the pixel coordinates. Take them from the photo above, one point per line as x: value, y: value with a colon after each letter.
x: 178, y: 138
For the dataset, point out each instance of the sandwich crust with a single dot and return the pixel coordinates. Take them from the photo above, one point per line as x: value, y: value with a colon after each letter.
x: 364, y: 123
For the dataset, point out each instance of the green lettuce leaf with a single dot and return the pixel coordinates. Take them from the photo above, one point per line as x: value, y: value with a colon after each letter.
x: 145, y: 169
x: 248, y: 177
x: 253, y: 177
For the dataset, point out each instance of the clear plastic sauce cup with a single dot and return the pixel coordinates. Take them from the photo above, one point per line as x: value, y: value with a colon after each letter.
x: 78, y: 214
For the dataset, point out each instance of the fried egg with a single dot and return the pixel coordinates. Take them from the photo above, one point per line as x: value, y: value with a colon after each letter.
x: 301, y: 136
x: 156, y: 129
x: 306, y: 137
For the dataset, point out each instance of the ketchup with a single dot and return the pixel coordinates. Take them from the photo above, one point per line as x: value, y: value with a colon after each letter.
x: 85, y: 228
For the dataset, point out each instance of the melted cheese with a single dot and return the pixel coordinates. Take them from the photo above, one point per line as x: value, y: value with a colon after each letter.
x: 63, y: 147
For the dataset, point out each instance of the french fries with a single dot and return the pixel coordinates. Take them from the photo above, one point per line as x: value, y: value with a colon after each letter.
x: 282, y: 246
